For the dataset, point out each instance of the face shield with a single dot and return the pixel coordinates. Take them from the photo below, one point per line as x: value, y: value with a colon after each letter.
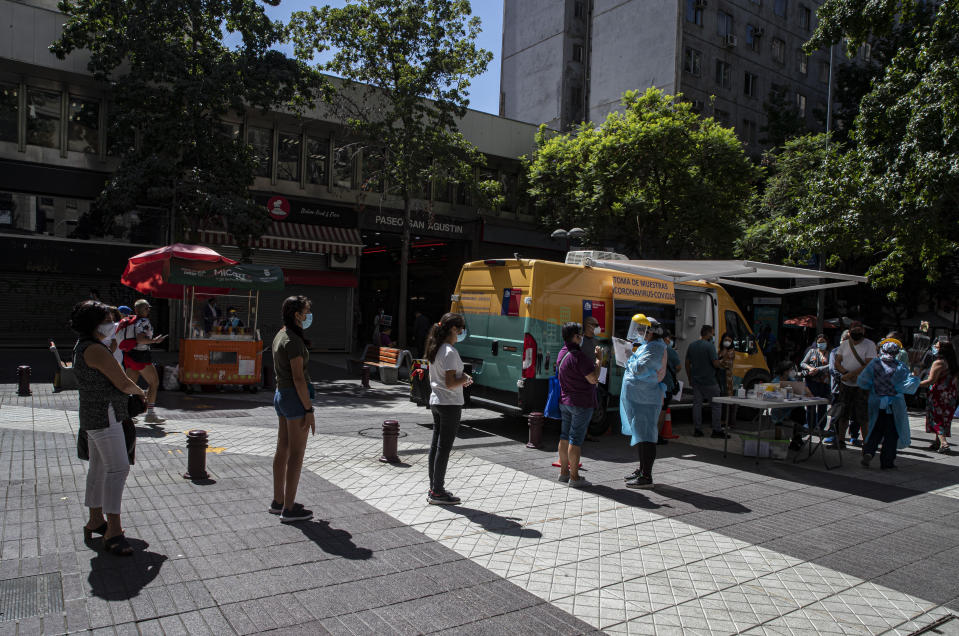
x: 637, y: 328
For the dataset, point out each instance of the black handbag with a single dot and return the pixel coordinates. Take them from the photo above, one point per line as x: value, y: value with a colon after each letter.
x: 129, y: 438
x: 135, y: 405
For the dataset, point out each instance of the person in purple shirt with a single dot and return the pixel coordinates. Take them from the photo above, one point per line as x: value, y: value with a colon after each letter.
x: 578, y: 373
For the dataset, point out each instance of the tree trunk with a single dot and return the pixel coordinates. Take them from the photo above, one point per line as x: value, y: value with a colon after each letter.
x: 399, y: 325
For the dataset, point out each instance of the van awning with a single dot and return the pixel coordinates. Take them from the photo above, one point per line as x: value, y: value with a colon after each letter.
x: 733, y: 273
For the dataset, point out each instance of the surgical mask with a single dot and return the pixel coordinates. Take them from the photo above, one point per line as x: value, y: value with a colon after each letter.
x: 597, y: 330
x: 857, y: 336
x: 727, y: 343
x: 308, y: 321
x: 462, y: 335
x: 821, y: 346
x: 106, y: 330
x: 935, y: 350
x: 792, y: 375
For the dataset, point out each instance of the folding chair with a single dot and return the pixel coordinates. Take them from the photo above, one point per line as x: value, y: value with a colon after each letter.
x: 64, y: 378
x: 822, y: 431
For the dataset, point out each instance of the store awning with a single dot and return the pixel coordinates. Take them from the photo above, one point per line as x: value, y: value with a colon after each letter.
x: 299, y: 237
x: 732, y: 273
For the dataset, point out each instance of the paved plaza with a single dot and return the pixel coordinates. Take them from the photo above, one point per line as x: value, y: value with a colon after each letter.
x: 720, y: 546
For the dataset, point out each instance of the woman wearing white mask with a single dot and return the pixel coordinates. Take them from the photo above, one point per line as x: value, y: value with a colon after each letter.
x: 294, y: 408
x: 815, y: 370
x: 447, y: 381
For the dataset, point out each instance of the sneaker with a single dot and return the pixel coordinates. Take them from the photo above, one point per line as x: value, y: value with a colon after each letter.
x: 866, y: 458
x: 153, y: 418
x: 563, y: 479
x: 442, y: 499
x: 719, y: 435
x: 582, y: 482
x: 697, y: 433
x: 796, y: 444
x: 944, y: 450
x: 297, y: 513
x: 275, y: 507
x: 935, y: 445
x: 641, y: 482
x: 633, y: 475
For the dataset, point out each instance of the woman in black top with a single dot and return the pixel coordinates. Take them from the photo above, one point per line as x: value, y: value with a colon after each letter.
x: 103, y: 391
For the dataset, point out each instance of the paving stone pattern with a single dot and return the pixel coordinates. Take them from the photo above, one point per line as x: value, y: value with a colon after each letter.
x: 717, y: 548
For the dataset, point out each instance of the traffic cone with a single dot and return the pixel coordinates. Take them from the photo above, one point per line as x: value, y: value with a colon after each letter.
x: 668, y: 426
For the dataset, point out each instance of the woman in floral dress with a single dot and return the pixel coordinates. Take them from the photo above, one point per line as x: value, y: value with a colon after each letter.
x: 943, y: 394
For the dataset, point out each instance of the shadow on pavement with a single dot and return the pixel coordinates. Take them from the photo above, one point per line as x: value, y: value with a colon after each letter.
x: 333, y: 540
x: 118, y: 578
x: 496, y: 523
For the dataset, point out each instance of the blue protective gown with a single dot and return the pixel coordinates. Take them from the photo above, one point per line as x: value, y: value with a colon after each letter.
x: 905, y: 384
x: 641, y: 398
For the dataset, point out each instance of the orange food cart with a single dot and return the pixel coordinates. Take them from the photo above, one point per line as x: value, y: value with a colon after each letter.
x: 226, y: 350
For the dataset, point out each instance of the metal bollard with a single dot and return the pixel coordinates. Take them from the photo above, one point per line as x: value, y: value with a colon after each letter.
x: 365, y: 377
x: 535, y: 430
x: 23, y: 380
x: 196, y: 443
x: 391, y: 432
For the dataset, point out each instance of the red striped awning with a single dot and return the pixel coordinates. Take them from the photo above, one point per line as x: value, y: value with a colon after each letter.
x: 297, y: 237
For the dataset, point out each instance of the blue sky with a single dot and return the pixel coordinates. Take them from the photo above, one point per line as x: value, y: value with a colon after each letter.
x: 484, y: 91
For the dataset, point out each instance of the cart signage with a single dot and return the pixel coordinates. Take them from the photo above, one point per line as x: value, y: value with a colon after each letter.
x: 240, y: 276
x: 643, y: 289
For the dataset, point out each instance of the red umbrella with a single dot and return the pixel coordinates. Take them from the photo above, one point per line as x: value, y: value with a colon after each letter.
x: 806, y: 321
x: 146, y: 272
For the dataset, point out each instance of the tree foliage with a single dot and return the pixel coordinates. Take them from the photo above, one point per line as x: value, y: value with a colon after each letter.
x: 406, y: 67
x: 890, y: 199
x: 783, y: 119
x: 656, y: 177
x: 173, y: 77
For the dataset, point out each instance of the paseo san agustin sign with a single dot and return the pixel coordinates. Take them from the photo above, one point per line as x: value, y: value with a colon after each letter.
x: 419, y: 224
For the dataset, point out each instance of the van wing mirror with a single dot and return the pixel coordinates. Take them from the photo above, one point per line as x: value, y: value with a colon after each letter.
x: 751, y: 346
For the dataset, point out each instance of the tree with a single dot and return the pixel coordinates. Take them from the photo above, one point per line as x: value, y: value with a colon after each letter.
x: 172, y: 79
x: 783, y: 119
x: 891, y: 198
x: 656, y: 176
x: 406, y: 67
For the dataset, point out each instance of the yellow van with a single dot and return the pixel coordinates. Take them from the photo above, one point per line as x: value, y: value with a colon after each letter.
x: 515, y: 309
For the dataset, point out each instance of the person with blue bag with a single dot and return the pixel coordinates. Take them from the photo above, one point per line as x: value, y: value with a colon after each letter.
x: 642, y: 394
x: 577, y: 372
x: 887, y: 380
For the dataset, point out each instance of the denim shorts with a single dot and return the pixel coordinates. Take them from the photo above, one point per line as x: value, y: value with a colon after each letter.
x: 575, y: 422
x: 287, y: 404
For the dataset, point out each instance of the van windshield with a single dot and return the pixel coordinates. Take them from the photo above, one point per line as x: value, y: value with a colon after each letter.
x: 624, y: 310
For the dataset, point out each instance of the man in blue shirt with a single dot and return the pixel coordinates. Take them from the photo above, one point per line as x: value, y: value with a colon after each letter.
x: 701, y: 365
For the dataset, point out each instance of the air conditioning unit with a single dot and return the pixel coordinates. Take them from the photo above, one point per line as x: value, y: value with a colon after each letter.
x: 731, y: 41
x: 342, y: 261
x: 698, y: 105
x: 700, y: 4
x: 759, y: 32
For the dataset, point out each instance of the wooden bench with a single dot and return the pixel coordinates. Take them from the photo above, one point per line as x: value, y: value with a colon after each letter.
x: 388, y: 362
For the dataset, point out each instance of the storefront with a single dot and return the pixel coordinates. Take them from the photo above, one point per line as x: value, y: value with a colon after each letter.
x: 439, y: 245
x: 318, y: 247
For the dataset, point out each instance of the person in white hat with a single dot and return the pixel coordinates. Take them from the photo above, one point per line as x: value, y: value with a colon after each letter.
x: 137, y: 360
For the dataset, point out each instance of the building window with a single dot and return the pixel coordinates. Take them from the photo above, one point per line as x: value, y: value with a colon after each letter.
x: 805, y: 18
x: 722, y: 116
x: 749, y: 131
x: 779, y: 8
x: 317, y: 160
x: 9, y: 112
x: 229, y: 130
x: 724, y: 24
x: 754, y: 35
x: 579, y: 10
x: 262, y: 141
x: 373, y: 165
x: 577, y: 52
x: 576, y: 103
x: 694, y: 12
x: 750, y: 84
x: 866, y: 51
x: 343, y: 167
x: 723, y: 70
x: 824, y: 72
x: 779, y: 51
x: 508, y: 182
x: 84, y: 125
x: 801, y: 104
x: 694, y: 62
x: 43, y: 118
x: 288, y: 156
x: 802, y: 62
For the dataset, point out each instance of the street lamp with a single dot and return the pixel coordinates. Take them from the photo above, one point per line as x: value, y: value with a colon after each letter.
x: 575, y: 233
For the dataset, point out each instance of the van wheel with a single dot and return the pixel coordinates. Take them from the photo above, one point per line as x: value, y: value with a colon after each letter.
x: 601, y: 418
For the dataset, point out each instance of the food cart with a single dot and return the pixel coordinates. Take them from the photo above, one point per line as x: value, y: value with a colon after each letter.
x: 225, y: 351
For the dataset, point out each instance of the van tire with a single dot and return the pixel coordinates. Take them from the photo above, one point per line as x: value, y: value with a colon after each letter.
x: 600, y: 421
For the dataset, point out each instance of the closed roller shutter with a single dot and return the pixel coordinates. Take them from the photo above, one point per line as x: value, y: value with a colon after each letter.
x: 332, y: 328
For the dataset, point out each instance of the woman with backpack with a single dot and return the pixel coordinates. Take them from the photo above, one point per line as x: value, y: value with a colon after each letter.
x: 447, y: 381
x: 943, y: 383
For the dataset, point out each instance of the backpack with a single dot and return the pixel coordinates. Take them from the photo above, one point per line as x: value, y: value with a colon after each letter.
x: 124, y: 342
